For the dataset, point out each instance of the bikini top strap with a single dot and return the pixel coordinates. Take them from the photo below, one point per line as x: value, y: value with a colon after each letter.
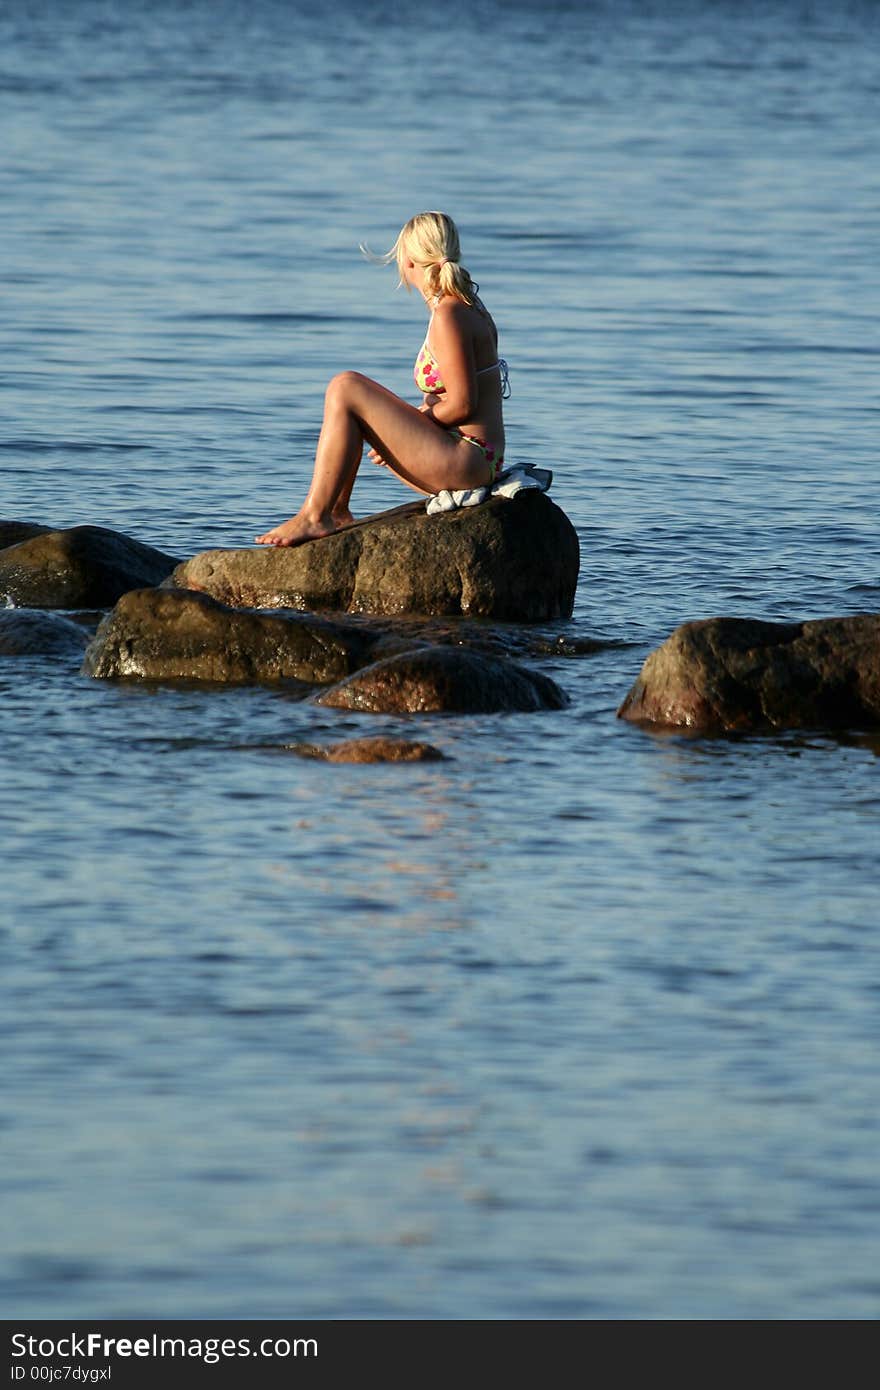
x: 502, y: 367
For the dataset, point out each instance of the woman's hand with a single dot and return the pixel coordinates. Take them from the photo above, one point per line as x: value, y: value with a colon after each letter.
x: 375, y: 457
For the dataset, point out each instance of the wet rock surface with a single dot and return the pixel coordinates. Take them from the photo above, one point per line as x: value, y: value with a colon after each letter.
x: 170, y: 634
x: 82, y: 567
x: 511, y: 559
x: 437, y: 679
x: 729, y: 674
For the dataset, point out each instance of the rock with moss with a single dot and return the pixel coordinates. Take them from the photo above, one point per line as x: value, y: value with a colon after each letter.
x: 515, y: 560
x: 172, y: 634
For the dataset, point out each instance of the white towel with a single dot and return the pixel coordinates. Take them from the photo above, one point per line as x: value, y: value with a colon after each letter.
x: 507, y: 484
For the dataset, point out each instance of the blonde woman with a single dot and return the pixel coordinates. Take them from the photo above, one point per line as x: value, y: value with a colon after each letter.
x: 455, y: 438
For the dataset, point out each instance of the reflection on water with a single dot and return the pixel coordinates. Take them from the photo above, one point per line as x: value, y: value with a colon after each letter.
x: 581, y: 1021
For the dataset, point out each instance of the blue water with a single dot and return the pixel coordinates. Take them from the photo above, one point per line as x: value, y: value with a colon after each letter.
x: 583, y: 1021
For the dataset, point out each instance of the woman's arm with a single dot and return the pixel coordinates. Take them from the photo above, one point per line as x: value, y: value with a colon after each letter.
x: 453, y: 347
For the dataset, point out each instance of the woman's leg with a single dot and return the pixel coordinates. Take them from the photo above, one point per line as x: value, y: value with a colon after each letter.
x: 342, y: 513
x: 337, y: 457
x: 358, y: 410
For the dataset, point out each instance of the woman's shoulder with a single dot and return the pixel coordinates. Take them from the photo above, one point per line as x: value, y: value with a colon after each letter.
x: 467, y: 318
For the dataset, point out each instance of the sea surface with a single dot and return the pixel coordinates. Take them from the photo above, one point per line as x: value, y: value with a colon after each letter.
x: 582, y: 1022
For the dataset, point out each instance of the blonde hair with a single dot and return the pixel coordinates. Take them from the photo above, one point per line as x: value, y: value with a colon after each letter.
x: 431, y: 240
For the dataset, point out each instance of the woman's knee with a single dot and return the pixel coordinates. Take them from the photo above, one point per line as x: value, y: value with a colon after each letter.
x: 345, y: 388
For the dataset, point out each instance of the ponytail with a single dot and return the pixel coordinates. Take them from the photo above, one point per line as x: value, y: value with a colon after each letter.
x: 431, y: 240
x: 448, y: 277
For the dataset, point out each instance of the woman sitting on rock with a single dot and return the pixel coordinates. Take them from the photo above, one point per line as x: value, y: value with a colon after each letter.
x: 455, y: 438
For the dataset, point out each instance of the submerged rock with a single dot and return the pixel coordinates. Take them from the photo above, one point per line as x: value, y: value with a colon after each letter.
x: 371, y: 750
x: 83, y: 567
x: 24, y: 631
x: 726, y: 674
x: 173, y: 634
x: 444, y: 679
x: 512, y: 559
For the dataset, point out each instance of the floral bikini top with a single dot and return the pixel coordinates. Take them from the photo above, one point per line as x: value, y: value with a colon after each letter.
x: 427, y: 373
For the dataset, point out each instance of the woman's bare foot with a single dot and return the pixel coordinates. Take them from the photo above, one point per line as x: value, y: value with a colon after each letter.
x: 298, y: 529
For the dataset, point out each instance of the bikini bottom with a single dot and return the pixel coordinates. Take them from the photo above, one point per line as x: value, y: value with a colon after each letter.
x: 487, y: 450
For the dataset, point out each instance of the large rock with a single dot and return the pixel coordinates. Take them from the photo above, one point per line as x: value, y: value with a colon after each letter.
x: 170, y: 634
x: 433, y: 680
x: 24, y: 632
x: 83, y: 567
x: 726, y: 674
x: 515, y: 560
